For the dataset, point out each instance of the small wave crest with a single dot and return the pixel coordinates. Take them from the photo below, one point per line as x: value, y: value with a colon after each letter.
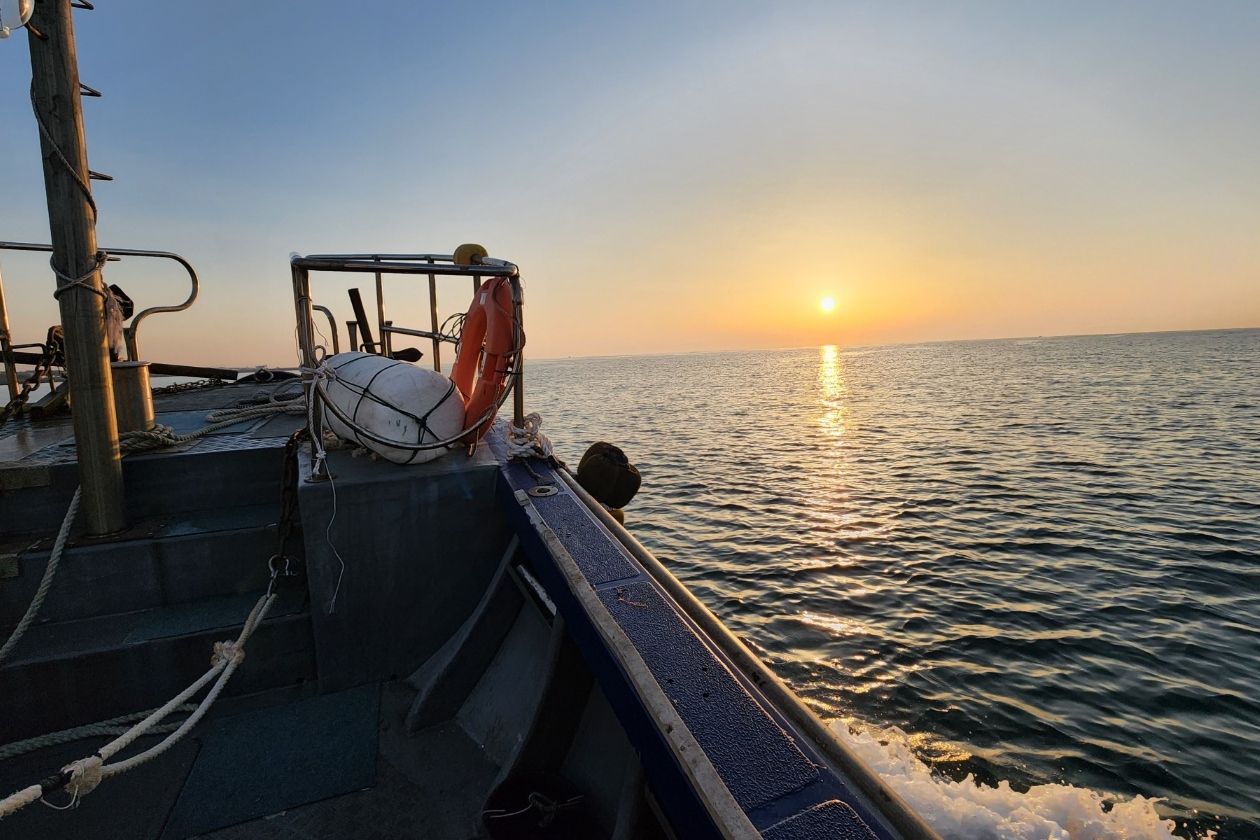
x: 968, y: 810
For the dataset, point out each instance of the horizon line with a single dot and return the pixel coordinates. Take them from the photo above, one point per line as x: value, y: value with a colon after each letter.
x: 888, y: 344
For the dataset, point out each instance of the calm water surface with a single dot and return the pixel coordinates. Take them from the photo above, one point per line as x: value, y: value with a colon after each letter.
x: 1037, y: 558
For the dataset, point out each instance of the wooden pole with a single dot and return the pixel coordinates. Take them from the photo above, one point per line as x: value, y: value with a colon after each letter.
x: 72, y: 222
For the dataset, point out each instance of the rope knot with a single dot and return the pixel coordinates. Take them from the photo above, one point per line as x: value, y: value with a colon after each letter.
x: 113, y: 309
x: 82, y: 281
x: 85, y: 775
x: 527, y: 440
x: 226, y: 653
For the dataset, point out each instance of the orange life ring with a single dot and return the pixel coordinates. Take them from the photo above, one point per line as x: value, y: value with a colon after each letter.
x: 484, y: 342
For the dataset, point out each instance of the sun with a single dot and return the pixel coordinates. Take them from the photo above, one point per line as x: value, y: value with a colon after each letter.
x: 828, y: 303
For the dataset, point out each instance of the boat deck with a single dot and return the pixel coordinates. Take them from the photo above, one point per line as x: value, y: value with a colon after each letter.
x: 26, y: 443
x: 408, y: 771
x: 38, y: 458
x: 595, y: 673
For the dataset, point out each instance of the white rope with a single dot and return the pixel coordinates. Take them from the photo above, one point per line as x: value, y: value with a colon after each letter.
x: 87, y: 773
x: 20, y: 800
x: 113, y: 726
x: 321, y: 375
x: 226, y: 658
x: 529, y: 441
x: 162, y: 436
x: 42, y: 592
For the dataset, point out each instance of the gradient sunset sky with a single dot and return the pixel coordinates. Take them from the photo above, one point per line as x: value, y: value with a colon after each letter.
x: 671, y: 176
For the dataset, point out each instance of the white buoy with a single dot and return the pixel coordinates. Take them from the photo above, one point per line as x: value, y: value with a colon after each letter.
x: 394, y: 400
x: 14, y: 14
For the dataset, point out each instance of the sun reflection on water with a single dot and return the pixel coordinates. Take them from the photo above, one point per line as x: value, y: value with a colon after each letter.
x: 831, y: 390
x: 835, y: 624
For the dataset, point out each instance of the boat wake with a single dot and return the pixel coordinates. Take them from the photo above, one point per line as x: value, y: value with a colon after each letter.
x: 968, y: 810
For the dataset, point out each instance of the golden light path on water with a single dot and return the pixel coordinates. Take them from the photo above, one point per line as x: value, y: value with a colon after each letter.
x: 968, y: 556
x: 832, y: 419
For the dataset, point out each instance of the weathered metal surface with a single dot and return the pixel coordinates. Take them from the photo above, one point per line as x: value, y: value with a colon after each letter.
x: 267, y: 761
x: 419, y: 546
x: 444, y: 682
x: 734, y: 731
x: 773, y: 772
x: 91, y: 672
x: 829, y: 821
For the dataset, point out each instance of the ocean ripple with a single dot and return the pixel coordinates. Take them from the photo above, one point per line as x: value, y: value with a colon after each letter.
x: 1030, y: 565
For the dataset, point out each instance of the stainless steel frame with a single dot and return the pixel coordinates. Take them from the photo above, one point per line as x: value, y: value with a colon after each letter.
x: 130, y: 333
x: 6, y: 347
x: 430, y: 265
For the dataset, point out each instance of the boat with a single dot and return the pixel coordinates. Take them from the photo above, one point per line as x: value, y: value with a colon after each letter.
x: 274, y: 633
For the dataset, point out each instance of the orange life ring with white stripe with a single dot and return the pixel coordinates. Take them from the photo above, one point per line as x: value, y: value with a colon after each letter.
x: 485, y: 345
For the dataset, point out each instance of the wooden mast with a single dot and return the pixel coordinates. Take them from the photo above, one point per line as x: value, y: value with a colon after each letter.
x: 72, y: 221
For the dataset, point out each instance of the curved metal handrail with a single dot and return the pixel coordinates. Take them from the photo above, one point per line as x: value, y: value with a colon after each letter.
x: 133, y: 352
x: 332, y: 325
x: 132, y: 345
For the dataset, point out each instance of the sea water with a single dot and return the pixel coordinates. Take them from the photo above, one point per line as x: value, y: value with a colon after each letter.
x: 1020, y: 576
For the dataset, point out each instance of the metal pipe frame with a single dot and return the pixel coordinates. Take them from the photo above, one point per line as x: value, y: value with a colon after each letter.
x: 422, y: 264
x: 398, y: 266
x: 435, y: 335
x: 6, y: 347
x: 130, y: 333
x: 332, y: 325
x: 433, y: 319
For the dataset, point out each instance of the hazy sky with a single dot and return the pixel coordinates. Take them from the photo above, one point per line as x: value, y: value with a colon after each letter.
x: 671, y: 176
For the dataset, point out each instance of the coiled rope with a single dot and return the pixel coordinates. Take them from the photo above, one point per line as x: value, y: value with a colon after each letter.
x: 527, y: 441
x: 161, y: 436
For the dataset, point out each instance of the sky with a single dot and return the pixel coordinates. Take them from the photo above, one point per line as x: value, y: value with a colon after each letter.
x: 673, y: 176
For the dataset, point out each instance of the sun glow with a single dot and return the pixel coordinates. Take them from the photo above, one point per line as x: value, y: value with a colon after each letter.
x: 828, y: 303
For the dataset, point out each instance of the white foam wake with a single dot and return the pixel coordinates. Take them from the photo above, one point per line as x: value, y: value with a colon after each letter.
x: 967, y: 810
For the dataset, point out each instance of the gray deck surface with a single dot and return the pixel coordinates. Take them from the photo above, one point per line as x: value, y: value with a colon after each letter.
x: 429, y: 786
x: 28, y: 443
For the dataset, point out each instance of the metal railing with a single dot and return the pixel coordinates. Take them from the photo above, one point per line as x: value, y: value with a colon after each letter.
x: 430, y: 265
x: 130, y: 332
